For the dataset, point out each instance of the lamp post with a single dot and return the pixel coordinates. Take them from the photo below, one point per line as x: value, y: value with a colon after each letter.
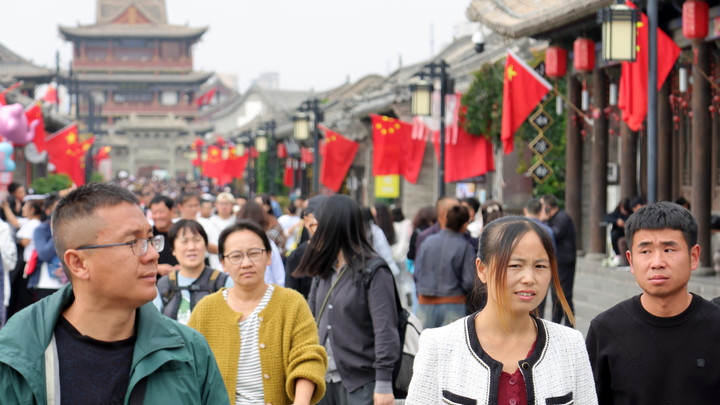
x: 271, y: 147
x: 421, y: 101
x: 301, y: 127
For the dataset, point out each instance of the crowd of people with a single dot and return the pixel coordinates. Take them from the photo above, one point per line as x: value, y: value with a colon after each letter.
x: 177, y: 292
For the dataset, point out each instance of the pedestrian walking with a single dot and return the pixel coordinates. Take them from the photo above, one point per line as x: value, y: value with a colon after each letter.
x: 662, y: 346
x: 99, y: 339
x: 564, y: 231
x: 263, y: 335
x: 355, y: 311
x: 505, y: 354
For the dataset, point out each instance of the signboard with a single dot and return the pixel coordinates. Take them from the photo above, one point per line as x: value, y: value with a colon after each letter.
x: 387, y: 186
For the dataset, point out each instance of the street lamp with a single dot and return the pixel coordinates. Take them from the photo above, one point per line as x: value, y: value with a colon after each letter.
x: 301, y: 126
x: 313, y: 106
x: 619, y: 33
x: 266, y: 143
x: 421, y: 105
x: 261, y: 142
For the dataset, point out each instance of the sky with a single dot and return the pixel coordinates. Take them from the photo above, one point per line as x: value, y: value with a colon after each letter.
x: 312, y: 44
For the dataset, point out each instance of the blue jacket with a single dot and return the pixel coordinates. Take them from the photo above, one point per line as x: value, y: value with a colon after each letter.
x: 45, y: 248
x: 161, y: 345
x: 445, y: 265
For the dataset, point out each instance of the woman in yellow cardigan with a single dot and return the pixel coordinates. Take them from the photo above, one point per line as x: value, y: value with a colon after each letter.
x: 263, y: 336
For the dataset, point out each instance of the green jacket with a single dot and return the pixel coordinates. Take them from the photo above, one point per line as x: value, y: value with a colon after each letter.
x: 176, y: 359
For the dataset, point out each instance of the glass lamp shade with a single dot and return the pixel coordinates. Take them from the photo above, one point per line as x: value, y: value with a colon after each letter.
x: 421, y: 95
x: 619, y: 42
x: 261, y: 144
x: 301, y: 126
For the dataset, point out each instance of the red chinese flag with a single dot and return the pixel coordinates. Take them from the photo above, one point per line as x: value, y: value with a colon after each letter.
x: 35, y: 113
x: 3, y: 101
x: 214, y: 164
x: 633, y: 94
x: 207, y: 97
x: 103, y: 153
x: 289, y: 177
x: 387, y: 145
x: 65, y: 152
x: 306, y: 156
x: 471, y: 156
x: 413, y: 151
x: 523, y: 89
x: 234, y: 166
x: 339, y: 153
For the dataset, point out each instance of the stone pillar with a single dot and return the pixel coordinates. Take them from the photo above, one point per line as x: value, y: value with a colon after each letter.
x: 701, y: 148
x: 573, y: 159
x: 598, y: 167
x: 664, y: 139
x: 628, y: 162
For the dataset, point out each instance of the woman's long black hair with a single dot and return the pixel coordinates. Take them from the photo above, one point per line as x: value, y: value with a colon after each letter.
x: 340, y: 227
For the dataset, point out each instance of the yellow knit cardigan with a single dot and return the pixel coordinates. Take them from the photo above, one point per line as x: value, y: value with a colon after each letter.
x: 287, y: 340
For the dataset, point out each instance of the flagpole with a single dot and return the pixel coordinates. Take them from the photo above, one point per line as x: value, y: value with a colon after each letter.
x: 441, y: 165
x: 652, y: 9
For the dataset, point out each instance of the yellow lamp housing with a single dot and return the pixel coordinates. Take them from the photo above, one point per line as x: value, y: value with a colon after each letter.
x: 301, y: 126
x: 421, y: 96
x: 619, y: 33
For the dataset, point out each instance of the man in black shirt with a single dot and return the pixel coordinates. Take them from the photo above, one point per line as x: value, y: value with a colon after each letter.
x: 662, y: 346
x: 161, y: 208
x: 99, y: 339
x: 564, y: 232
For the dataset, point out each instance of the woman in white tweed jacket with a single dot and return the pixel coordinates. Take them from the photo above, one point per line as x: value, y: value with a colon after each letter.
x: 503, y: 353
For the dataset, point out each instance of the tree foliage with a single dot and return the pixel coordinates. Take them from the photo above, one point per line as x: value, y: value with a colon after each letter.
x: 53, y: 182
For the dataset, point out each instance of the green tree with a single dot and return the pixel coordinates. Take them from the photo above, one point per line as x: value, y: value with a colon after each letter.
x: 51, y: 183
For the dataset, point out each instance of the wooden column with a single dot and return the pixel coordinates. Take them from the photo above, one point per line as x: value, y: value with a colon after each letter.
x: 664, y: 139
x: 598, y: 167
x: 628, y: 162
x: 701, y: 148
x: 573, y: 159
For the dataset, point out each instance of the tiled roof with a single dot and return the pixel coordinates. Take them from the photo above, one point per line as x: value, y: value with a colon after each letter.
x: 519, y: 18
x: 13, y: 66
x: 194, y: 77
x: 131, y: 30
x: 109, y: 10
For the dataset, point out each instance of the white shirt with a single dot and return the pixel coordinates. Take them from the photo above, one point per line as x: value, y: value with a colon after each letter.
x: 213, y: 234
x: 26, y: 232
x: 8, y: 253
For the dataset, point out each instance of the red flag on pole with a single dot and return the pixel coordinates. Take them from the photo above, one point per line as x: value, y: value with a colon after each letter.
x: 207, y: 97
x: 398, y: 148
x: 234, y: 166
x: 523, y: 89
x: 289, y: 177
x: 35, y: 113
x: 633, y: 94
x: 338, y: 155
x: 65, y: 152
x: 214, y: 164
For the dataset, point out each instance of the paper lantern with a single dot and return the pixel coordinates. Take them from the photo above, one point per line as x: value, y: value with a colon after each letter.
x: 695, y: 19
x: 281, y: 151
x: 584, y: 55
x: 555, y: 62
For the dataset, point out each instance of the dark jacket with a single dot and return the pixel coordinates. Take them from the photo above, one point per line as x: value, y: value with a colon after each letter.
x: 299, y: 284
x: 362, y: 322
x: 199, y: 288
x: 564, y: 229
x: 445, y: 265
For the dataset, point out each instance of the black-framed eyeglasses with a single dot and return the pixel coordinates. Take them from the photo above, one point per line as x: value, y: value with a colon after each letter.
x: 254, y: 254
x: 139, y: 246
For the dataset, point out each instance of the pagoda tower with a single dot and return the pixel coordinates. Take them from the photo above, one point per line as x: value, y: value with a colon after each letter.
x: 132, y: 78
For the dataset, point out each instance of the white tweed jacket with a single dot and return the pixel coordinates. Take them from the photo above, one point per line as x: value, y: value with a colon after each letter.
x: 452, y: 368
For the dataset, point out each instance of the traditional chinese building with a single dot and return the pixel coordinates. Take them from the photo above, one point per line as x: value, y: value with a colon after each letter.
x: 135, y: 69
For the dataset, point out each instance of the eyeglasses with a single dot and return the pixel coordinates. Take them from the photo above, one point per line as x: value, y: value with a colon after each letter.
x: 139, y: 246
x: 236, y: 257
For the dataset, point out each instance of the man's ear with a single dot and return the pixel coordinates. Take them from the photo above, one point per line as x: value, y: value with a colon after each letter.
x: 481, y: 271
x: 694, y: 257
x: 629, y: 259
x: 75, y: 261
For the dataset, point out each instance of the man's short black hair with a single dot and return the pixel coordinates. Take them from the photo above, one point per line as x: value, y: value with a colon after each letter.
x: 82, y: 203
x: 12, y: 187
x: 534, y: 206
x: 550, y: 200
x: 663, y: 215
x: 473, y: 202
x: 637, y: 200
x: 169, y: 203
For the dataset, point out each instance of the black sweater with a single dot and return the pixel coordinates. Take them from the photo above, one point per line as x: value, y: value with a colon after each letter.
x: 638, y: 358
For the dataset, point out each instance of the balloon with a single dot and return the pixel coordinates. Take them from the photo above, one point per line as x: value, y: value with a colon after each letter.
x: 6, y: 163
x: 14, y: 124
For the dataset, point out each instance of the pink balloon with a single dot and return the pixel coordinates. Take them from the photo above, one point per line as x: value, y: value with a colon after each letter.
x: 14, y: 124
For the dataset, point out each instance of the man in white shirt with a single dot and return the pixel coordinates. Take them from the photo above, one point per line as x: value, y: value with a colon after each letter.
x: 224, y: 204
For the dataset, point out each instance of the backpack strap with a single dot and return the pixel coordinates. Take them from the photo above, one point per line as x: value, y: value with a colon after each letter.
x: 172, y: 288
x: 369, y: 270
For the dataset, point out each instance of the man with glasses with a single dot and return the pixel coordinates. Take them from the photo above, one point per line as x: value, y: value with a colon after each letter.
x: 99, y: 339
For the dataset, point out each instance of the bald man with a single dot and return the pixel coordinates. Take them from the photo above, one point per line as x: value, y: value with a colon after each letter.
x: 443, y: 205
x: 99, y: 339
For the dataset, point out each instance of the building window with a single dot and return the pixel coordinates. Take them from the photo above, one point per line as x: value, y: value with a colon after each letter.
x: 132, y: 97
x: 169, y: 98
x: 170, y: 50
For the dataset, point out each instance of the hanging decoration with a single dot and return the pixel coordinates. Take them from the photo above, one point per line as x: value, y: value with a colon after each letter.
x: 584, y: 55
x: 555, y: 62
x: 695, y: 19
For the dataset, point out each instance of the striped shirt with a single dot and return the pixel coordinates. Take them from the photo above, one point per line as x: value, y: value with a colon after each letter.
x: 249, y: 386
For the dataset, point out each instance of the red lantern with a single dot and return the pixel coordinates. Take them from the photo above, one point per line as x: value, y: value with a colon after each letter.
x: 584, y: 55
x: 695, y: 19
x: 555, y: 61
x: 281, y: 151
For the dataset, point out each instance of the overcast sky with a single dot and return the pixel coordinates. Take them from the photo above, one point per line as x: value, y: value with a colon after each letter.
x: 312, y: 44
